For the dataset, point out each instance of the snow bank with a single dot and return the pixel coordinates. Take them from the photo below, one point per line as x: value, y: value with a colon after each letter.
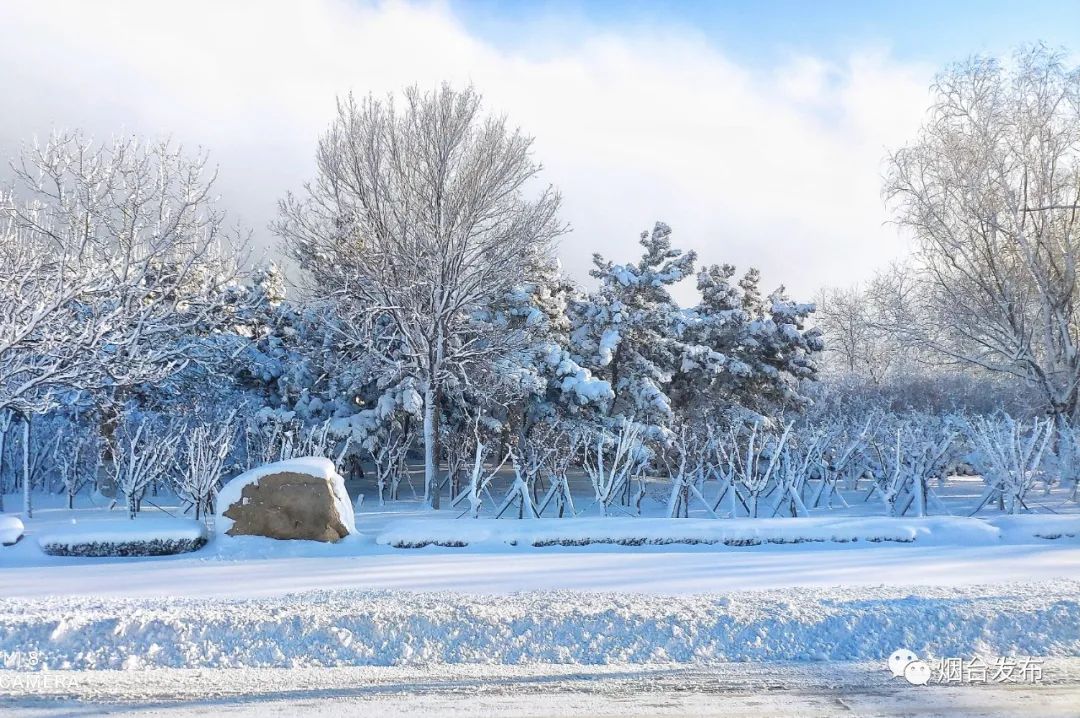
x: 940, y: 530
x: 1027, y: 526
x: 11, y: 529
x: 313, y: 465
x: 343, y: 628
x: 143, y: 536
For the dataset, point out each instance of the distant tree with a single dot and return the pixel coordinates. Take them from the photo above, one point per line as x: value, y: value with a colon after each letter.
x: 991, y: 191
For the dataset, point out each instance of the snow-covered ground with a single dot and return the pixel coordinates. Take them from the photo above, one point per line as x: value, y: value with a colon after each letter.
x: 349, y: 628
x: 945, y: 551
x: 514, y: 618
x: 754, y: 690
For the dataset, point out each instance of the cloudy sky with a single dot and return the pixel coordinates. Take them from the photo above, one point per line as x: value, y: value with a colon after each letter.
x: 756, y: 129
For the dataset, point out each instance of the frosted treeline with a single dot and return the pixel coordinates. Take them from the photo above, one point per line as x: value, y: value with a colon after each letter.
x: 433, y: 345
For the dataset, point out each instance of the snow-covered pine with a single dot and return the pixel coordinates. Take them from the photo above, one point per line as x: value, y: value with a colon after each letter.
x: 627, y: 330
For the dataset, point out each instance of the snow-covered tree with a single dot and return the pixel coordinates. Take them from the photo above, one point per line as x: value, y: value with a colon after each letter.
x: 628, y: 330
x: 421, y: 212
x: 143, y: 450
x: 1010, y: 457
x: 991, y: 190
x: 113, y: 261
x: 738, y: 352
x: 206, y: 449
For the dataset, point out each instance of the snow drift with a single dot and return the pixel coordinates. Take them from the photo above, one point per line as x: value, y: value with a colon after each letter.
x: 11, y: 529
x: 343, y: 628
x: 937, y: 530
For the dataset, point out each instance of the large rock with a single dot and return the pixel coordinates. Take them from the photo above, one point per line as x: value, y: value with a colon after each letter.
x: 294, y: 499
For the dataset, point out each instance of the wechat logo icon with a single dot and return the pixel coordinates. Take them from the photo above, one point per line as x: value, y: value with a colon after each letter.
x: 904, y: 663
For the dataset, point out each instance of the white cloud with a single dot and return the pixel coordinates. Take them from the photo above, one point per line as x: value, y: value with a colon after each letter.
x: 779, y: 167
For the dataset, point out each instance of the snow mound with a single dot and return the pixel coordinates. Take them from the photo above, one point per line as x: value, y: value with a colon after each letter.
x: 143, y: 536
x: 11, y: 529
x: 937, y: 530
x: 312, y: 465
x: 357, y: 628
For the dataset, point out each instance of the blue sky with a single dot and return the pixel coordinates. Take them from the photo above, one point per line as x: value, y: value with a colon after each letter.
x: 760, y: 31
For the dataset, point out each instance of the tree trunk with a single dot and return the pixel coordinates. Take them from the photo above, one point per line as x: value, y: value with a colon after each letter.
x: 28, y: 508
x: 431, y: 481
x: 4, y: 423
x: 1063, y: 445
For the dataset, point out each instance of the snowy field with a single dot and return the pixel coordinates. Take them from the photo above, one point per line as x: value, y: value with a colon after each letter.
x: 645, y: 616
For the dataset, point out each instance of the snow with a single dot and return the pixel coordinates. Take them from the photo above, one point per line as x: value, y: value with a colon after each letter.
x: 252, y: 567
x: 731, y: 532
x: 609, y: 340
x: 11, y: 529
x: 124, y: 530
x: 313, y: 465
x: 801, y: 690
x: 351, y: 628
x: 412, y: 402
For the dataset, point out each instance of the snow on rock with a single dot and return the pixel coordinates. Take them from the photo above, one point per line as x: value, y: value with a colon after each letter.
x: 143, y: 536
x: 11, y: 529
x: 231, y: 493
x: 732, y: 532
x: 354, y: 628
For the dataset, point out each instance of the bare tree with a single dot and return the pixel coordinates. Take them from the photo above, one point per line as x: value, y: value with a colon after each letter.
x: 78, y: 460
x: 205, y: 452
x: 1011, y: 454
x: 857, y: 327
x: 142, y: 453
x: 613, y: 462
x: 420, y: 214
x: 991, y: 190
x: 113, y: 262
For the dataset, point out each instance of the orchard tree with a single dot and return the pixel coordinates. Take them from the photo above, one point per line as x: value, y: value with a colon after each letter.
x: 423, y: 209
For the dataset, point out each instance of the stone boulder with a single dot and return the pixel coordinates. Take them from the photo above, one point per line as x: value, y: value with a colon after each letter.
x: 294, y: 499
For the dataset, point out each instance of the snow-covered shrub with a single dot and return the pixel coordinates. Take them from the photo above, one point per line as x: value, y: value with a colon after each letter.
x: 389, y: 450
x: 1010, y: 454
x: 150, y: 537
x: 142, y: 450
x: 686, y: 460
x: 910, y: 451
x: 206, y: 449
x: 756, y: 459
x: 612, y: 460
